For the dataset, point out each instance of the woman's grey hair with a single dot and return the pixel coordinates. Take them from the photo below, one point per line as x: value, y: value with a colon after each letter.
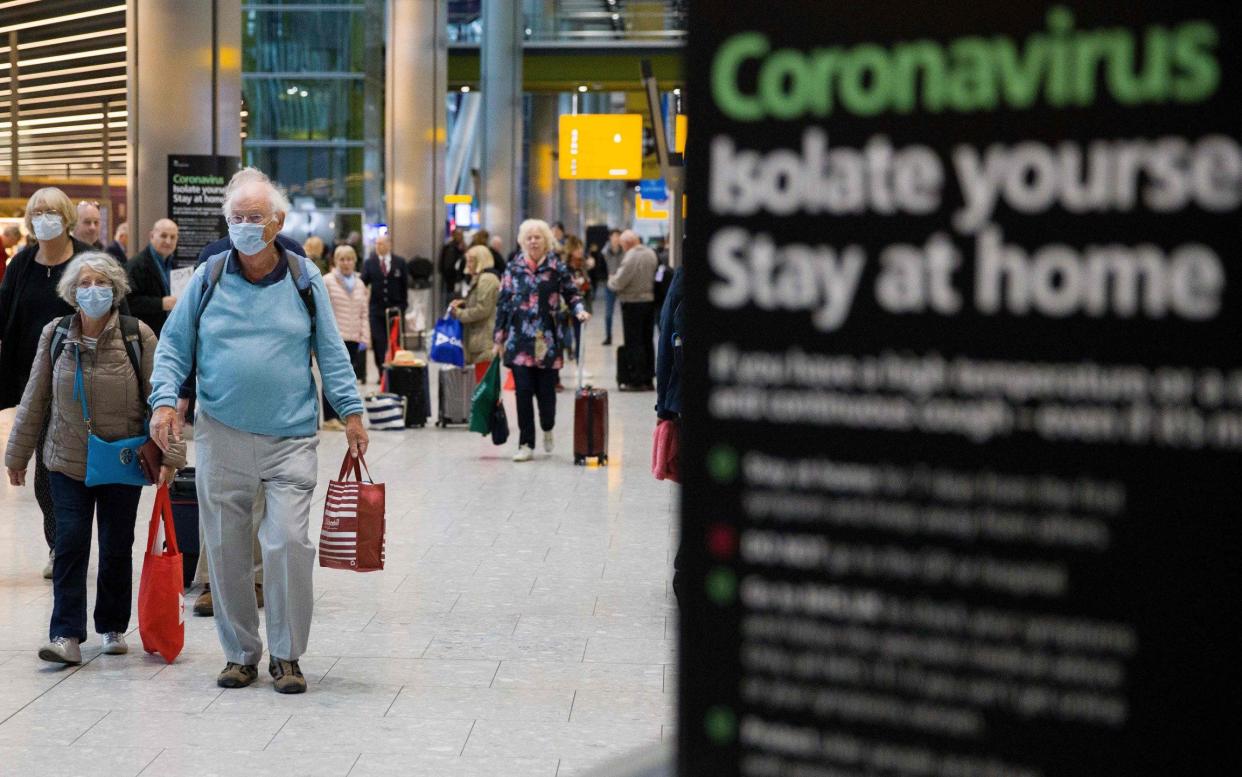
x: 101, y: 263
x: 536, y: 225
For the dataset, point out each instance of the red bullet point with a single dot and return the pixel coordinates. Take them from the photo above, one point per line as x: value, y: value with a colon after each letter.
x: 722, y: 541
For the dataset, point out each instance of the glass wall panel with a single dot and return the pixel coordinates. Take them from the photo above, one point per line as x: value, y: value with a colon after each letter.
x: 304, y: 108
x: 313, y: 90
x: 295, y: 41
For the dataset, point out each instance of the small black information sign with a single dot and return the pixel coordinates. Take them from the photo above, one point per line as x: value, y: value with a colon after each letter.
x: 195, y: 194
x: 963, y: 447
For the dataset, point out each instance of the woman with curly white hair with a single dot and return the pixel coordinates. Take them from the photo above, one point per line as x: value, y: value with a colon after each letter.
x: 527, y: 335
x: 93, y: 361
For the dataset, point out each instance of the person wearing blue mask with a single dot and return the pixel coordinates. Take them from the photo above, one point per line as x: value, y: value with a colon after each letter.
x: 98, y: 362
x: 249, y: 321
x: 28, y: 301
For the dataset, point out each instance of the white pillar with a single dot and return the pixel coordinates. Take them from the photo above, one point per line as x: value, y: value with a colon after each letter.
x: 416, y: 135
x: 501, y: 65
x: 184, y: 64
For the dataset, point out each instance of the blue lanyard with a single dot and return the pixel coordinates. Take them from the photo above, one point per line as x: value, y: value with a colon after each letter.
x: 79, y: 387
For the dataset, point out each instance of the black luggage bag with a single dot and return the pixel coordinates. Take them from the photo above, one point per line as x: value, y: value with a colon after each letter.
x: 184, y: 497
x: 411, y: 382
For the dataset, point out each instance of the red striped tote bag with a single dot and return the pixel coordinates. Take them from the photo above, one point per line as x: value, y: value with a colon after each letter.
x: 353, y: 521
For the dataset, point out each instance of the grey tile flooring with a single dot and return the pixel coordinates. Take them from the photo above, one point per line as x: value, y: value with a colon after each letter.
x: 523, y: 627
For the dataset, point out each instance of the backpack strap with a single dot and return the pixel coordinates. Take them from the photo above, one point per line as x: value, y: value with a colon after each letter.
x: 130, y: 334
x: 297, y: 273
x: 301, y: 282
x: 58, y: 337
x: 211, y: 277
x: 133, y: 349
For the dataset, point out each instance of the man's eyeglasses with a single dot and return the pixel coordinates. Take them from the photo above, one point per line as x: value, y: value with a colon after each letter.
x: 249, y: 218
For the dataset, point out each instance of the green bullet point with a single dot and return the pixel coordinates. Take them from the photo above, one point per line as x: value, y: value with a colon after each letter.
x: 721, y: 725
x: 721, y: 586
x: 722, y: 463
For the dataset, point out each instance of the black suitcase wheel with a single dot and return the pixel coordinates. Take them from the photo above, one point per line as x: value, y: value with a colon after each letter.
x: 603, y: 461
x: 579, y: 461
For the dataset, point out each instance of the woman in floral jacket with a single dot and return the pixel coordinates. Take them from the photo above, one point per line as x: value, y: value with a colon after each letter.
x: 531, y: 291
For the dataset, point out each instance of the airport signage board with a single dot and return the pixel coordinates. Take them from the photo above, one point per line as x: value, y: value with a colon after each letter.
x: 650, y: 210
x: 653, y: 189
x: 606, y: 147
x: 963, y: 427
x: 195, y: 197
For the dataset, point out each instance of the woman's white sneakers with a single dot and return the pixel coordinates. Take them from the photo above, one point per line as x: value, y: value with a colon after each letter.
x: 526, y: 452
x: 114, y: 644
x: 62, y: 650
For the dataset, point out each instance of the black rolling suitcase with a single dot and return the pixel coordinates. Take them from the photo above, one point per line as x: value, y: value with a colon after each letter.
x: 184, y: 497
x: 411, y: 382
x: 625, y: 369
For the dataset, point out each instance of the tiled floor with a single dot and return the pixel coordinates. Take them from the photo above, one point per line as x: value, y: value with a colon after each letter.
x: 524, y: 627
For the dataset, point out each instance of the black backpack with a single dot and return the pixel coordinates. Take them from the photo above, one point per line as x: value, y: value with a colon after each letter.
x: 421, y: 269
x: 129, y: 331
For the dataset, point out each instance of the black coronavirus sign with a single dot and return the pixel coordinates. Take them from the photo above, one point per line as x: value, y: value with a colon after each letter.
x: 963, y: 432
x: 195, y: 201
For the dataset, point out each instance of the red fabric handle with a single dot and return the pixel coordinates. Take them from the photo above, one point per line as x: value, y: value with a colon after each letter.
x: 394, y: 339
x: 162, y: 511
x: 350, y: 462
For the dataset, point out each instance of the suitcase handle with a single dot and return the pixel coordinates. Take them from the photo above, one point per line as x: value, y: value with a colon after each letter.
x: 581, y: 351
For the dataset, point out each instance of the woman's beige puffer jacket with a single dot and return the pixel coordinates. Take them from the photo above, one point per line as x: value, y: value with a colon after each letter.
x: 350, y: 310
x: 117, y: 408
x: 478, y: 317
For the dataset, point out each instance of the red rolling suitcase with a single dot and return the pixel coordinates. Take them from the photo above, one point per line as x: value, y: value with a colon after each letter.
x: 590, y: 419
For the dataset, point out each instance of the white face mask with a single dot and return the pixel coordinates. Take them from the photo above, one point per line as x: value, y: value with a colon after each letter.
x: 49, y: 226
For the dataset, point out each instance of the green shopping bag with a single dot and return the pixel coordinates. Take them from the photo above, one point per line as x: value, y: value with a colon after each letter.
x: 484, y: 400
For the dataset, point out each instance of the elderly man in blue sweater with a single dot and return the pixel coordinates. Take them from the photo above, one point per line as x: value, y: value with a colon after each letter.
x: 249, y: 321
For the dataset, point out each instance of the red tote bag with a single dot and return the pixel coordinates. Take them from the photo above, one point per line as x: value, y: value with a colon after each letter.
x: 353, y: 521
x: 161, y: 609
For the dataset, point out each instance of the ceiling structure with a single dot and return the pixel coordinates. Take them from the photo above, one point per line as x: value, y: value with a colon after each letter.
x: 71, y: 69
x: 71, y: 60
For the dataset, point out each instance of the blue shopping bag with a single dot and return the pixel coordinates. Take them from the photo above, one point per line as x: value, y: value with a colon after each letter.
x: 446, y: 347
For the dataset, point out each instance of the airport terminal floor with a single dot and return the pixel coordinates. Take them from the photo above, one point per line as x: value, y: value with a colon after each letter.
x: 523, y: 626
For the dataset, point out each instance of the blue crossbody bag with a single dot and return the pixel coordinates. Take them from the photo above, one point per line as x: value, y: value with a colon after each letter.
x: 109, y: 463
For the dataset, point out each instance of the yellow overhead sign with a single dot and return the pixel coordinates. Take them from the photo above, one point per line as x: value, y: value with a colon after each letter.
x: 646, y: 209
x: 458, y: 199
x: 679, y: 133
x: 601, y: 146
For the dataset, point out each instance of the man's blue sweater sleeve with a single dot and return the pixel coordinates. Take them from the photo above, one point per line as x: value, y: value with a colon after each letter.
x: 174, y: 356
x: 334, y: 365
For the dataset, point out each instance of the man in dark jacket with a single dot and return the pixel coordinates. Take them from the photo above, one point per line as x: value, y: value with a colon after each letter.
x: 452, y: 264
x: 150, y: 284
x: 120, y: 242
x: 389, y: 277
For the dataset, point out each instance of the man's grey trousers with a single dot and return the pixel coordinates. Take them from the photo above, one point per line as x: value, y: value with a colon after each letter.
x: 231, y: 466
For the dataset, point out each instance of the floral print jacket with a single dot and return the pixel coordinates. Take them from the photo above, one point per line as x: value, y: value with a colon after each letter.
x: 526, y: 314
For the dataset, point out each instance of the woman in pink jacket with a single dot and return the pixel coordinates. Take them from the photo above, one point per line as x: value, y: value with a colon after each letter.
x: 349, y: 297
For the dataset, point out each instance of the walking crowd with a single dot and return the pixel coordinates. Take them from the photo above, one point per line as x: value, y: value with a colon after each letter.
x: 97, y: 348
